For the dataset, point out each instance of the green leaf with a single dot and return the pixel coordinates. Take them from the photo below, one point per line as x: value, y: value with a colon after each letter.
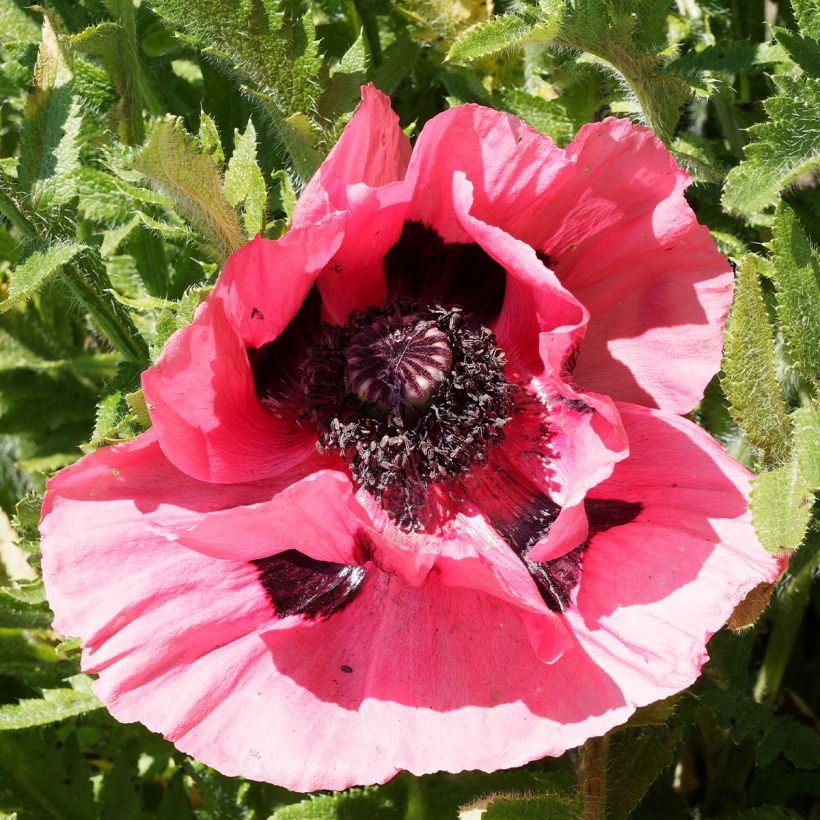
x: 623, y: 39
x: 346, y: 78
x: 783, y: 497
x: 115, y: 43
x: 287, y: 194
x: 353, y: 804
x: 807, y: 13
x: 491, y: 36
x: 36, y: 665
x: 209, y: 139
x: 36, y: 268
x: 782, y: 150
x: 750, y: 381
x: 55, y: 705
x: 553, y: 806
x: 15, y: 24
x: 796, y: 274
x: 44, y: 776
x: 244, y: 183
x: 805, y: 51
x: 278, y: 53
x: 550, y: 117
x: 49, y: 145
x: 636, y: 758
x: 120, y: 797
x: 174, y: 163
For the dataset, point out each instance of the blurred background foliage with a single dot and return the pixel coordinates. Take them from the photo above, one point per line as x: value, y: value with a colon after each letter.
x: 142, y: 141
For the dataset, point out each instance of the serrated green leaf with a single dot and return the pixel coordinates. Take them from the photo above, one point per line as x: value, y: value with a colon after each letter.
x: 36, y: 268
x: 209, y: 139
x: 807, y: 13
x: 491, y: 36
x: 355, y: 804
x: 623, y: 40
x: 115, y: 43
x: 750, y: 382
x: 782, y: 498
x: 44, y: 776
x: 547, y: 116
x: 49, y: 145
x: 120, y: 799
x: 221, y: 794
x: 34, y: 664
x: 782, y: 150
x: 796, y: 274
x: 636, y: 758
x: 277, y: 52
x: 346, y: 78
x: 15, y: 613
x: 244, y: 183
x: 15, y: 24
x: 805, y: 51
x: 55, y: 705
x: 174, y: 162
x: 286, y: 191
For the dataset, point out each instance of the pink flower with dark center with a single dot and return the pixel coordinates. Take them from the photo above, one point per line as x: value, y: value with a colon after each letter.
x: 418, y: 492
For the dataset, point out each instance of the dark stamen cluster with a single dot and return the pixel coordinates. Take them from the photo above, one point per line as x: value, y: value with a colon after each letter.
x: 409, y: 396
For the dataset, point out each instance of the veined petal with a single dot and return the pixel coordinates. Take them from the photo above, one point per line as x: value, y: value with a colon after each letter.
x: 205, y: 412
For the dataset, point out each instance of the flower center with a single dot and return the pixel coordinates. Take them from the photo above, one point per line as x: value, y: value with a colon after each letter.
x: 409, y: 396
x: 398, y: 360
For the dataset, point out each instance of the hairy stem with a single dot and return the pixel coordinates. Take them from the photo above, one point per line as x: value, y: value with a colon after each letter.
x: 592, y: 777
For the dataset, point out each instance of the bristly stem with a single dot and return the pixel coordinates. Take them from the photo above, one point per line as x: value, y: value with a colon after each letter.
x: 592, y: 777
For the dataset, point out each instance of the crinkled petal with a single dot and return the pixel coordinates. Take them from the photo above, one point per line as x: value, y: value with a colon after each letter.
x: 403, y: 677
x: 372, y: 150
x: 264, y: 283
x: 207, y: 418
x: 625, y: 242
x: 511, y: 166
x: 538, y: 315
x: 317, y: 515
x: 654, y: 590
x: 361, y: 179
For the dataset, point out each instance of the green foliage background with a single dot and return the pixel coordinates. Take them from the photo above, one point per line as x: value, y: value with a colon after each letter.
x: 142, y: 141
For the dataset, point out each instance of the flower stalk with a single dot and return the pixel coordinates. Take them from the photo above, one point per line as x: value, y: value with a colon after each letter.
x: 592, y: 777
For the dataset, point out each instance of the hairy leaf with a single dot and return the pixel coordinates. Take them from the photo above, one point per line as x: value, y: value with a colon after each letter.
x: 49, y: 146
x: 53, y: 706
x: 491, y: 36
x: 783, y: 497
x: 174, y: 163
x: 244, y: 183
x: 796, y: 274
x: 36, y: 268
x: 750, y: 380
x: 784, y: 149
x: 44, y: 776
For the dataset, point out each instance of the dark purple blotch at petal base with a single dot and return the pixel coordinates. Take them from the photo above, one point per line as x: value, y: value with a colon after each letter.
x: 425, y: 268
x: 557, y: 578
x: 299, y: 585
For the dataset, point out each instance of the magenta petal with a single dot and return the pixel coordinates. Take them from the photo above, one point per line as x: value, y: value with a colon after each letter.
x: 654, y: 590
x: 624, y: 240
x: 188, y: 644
x: 144, y: 584
x: 317, y: 515
x: 361, y: 180
x: 538, y: 315
x: 511, y: 166
x: 204, y: 409
x: 264, y: 283
x: 372, y: 149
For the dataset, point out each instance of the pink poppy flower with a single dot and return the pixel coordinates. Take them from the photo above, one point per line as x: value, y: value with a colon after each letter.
x: 418, y: 492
